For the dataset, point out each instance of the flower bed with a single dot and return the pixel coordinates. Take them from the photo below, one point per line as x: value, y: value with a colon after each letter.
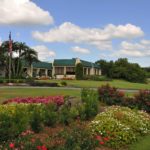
x: 120, y: 126
x: 59, y: 100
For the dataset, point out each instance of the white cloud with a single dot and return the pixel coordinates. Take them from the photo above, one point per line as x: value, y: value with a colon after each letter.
x: 141, y: 49
x: 43, y: 52
x: 23, y: 12
x: 78, y: 49
x: 101, y: 38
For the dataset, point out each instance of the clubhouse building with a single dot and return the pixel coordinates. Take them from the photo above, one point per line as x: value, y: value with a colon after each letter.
x: 61, y: 68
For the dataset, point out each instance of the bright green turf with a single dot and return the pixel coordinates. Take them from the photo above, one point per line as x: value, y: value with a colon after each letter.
x: 117, y: 83
x: 143, y: 144
x: 6, y: 93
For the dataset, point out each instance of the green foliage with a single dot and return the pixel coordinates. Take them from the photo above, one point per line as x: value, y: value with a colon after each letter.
x: 13, y: 120
x: 79, y: 71
x: 119, y: 126
x: 110, y: 95
x: 63, y: 83
x: 25, y: 141
x: 36, y: 119
x: 25, y: 53
x: 64, y: 115
x: 79, y: 139
x: 122, y: 69
x: 89, y: 99
x: 50, y: 114
x: 142, y: 100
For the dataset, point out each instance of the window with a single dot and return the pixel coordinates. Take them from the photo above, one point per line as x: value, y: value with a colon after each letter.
x: 70, y: 70
x: 59, y: 70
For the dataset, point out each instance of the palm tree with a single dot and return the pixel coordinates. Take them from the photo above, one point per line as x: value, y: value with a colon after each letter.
x: 24, y: 53
x: 30, y: 56
x: 21, y: 47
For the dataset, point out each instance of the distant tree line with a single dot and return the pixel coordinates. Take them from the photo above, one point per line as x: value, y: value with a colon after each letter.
x: 122, y: 69
x: 147, y: 69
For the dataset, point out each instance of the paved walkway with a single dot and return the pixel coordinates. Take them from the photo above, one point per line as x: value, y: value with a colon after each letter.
x: 65, y: 88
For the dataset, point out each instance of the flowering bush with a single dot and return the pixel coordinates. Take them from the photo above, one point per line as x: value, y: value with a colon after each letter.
x: 25, y: 141
x: 118, y: 126
x: 142, y: 99
x: 110, y: 95
x: 59, y: 100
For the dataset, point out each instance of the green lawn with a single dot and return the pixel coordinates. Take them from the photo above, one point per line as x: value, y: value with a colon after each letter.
x: 143, y: 144
x: 117, y: 83
x: 6, y: 93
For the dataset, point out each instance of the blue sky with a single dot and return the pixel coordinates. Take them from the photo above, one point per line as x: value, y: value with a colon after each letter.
x: 88, y: 29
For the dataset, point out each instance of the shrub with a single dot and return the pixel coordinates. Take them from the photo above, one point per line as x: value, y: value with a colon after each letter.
x: 36, y: 120
x: 79, y: 139
x: 64, y: 115
x: 44, y: 84
x: 50, y: 114
x: 79, y: 71
x: 30, y: 80
x: 1, y: 80
x: 118, y: 126
x: 63, y: 83
x: 25, y: 141
x: 13, y: 121
x: 74, y: 112
x: 89, y: 98
x: 110, y: 95
x: 142, y: 99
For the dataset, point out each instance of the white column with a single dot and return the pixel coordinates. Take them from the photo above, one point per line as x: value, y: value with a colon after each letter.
x: 86, y: 71
x: 65, y: 71
x: 46, y: 72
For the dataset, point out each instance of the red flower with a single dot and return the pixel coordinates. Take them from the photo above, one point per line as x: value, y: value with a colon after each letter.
x: 98, y: 137
x: 106, y: 139
x: 44, y: 147
x: 39, y: 147
x: 101, y: 142
x: 11, y: 145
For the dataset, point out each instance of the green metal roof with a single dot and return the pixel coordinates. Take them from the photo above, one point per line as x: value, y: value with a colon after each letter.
x: 42, y: 65
x: 96, y: 66
x: 64, y: 62
x: 89, y: 64
x: 86, y: 63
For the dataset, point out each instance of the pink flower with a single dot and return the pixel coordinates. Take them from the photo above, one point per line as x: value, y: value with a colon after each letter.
x: 11, y: 145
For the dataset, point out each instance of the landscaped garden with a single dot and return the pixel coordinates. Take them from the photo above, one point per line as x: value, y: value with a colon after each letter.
x: 102, y: 119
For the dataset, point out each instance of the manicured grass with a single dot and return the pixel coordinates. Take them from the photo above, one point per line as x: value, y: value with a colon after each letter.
x: 143, y: 144
x: 6, y: 93
x: 117, y: 83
